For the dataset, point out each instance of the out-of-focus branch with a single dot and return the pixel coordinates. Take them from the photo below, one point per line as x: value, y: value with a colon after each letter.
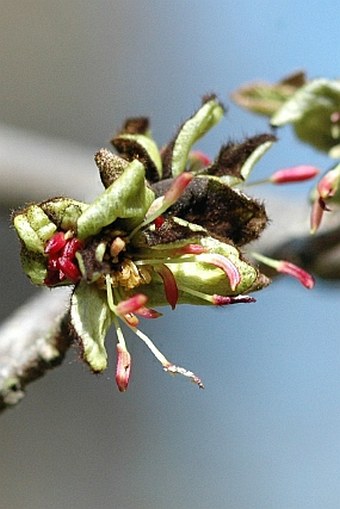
x: 33, y: 167
x: 32, y: 340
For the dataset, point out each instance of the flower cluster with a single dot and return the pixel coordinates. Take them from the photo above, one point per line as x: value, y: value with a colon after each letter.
x: 167, y: 229
x: 312, y: 107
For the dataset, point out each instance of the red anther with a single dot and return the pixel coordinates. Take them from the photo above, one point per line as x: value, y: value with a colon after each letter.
x: 170, y: 285
x: 159, y: 221
x: 52, y: 278
x: 56, y: 243
x: 69, y: 269
x: 132, y: 304
x: 52, y: 263
x: 71, y: 247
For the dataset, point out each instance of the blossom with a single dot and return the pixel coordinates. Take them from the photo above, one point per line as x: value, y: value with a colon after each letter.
x: 168, y: 229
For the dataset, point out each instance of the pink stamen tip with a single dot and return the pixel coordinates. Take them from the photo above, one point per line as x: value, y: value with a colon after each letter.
x: 170, y: 285
x: 145, y: 312
x: 132, y: 304
x: 178, y: 187
x: 294, y: 174
x: 193, y: 249
x: 225, y: 264
x: 123, y: 368
x: 56, y: 243
x: 221, y: 300
x: 293, y: 270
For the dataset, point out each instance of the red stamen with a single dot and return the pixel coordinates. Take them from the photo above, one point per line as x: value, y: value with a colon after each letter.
x: 170, y: 285
x: 69, y: 269
x: 225, y: 264
x: 145, y: 312
x: 293, y: 270
x: 71, y: 247
x: 159, y: 221
x: 132, y: 304
x: 52, y: 278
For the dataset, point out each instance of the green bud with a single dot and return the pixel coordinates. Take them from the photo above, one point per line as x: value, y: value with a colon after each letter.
x: 34, y: 228
x: 128, y: 197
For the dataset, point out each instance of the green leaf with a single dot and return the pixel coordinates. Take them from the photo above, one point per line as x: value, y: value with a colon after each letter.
x: 34, y: 228
x: 128, y: 197
x: 143, y: 147
x: 310, y: 110
x: 191, y: 131
x: 266, y: 98
x: 90, y: 319
x: 254, y: 157
x: 34, y: 266
x: 64, y: 212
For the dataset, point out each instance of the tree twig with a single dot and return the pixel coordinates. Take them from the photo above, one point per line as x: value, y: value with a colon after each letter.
x: 35, y: 339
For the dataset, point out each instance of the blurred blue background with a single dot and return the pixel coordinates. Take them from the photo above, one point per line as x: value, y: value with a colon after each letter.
x: 265, y: 433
